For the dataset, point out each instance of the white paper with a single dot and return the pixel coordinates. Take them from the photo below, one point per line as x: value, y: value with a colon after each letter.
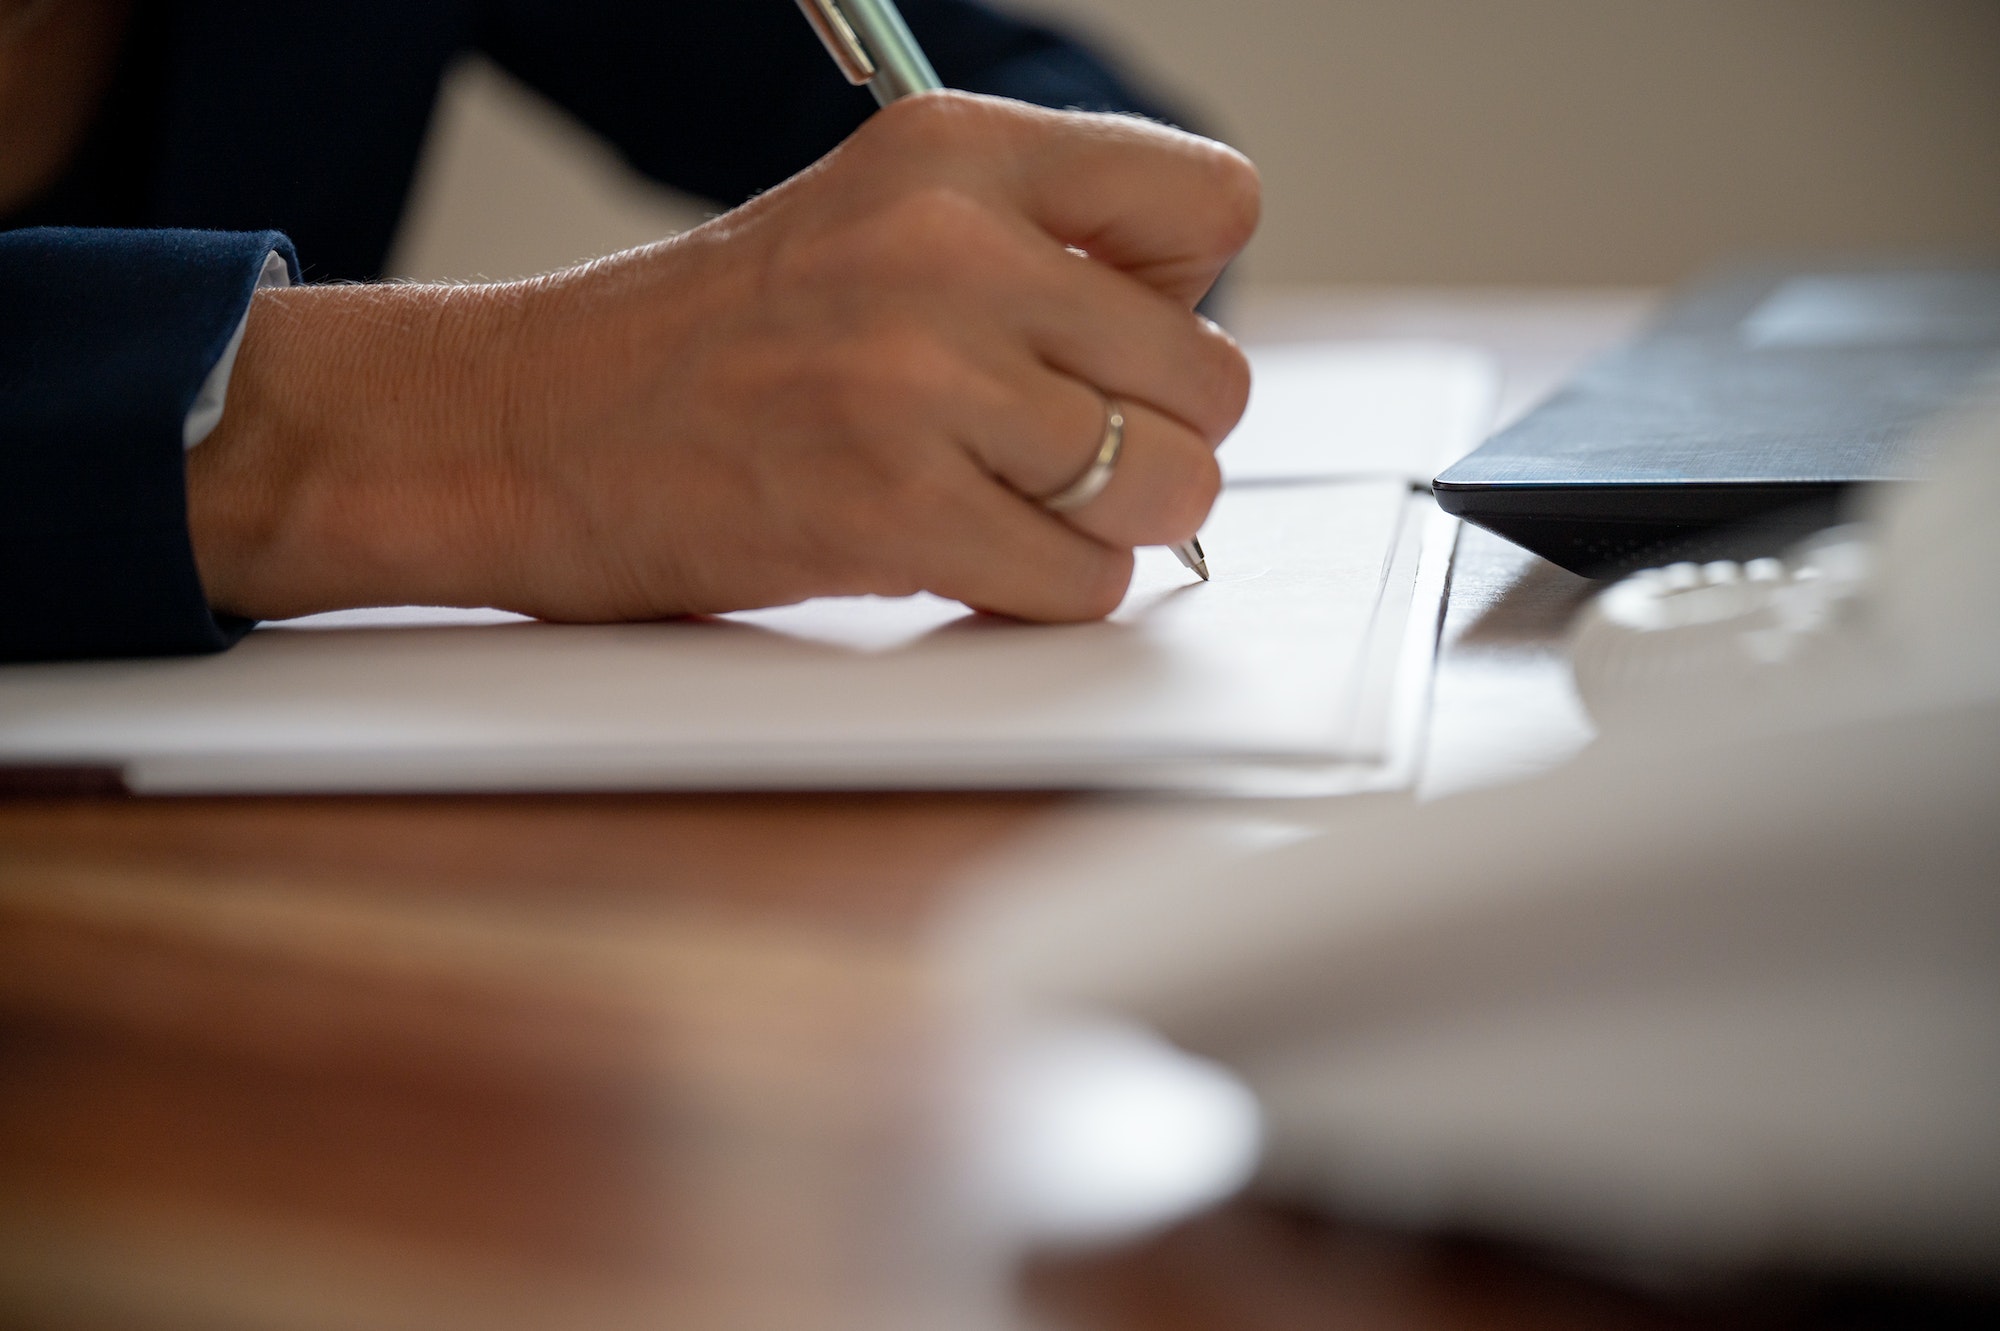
x: 1325, y: 410
x: 1261, y: 665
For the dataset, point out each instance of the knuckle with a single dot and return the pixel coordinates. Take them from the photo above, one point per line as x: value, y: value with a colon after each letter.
x: 914, y: 122
x: 944, y: 122
x: 946, y: 231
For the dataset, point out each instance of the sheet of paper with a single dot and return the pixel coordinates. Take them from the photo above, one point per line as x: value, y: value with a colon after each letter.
x: 1260, y: 665
x: 1321, y: 410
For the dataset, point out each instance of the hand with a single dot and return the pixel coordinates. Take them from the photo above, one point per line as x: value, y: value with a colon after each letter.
x: 856, y: 383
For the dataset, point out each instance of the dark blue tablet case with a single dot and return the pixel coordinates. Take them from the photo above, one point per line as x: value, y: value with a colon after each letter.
x: 1740, y: 421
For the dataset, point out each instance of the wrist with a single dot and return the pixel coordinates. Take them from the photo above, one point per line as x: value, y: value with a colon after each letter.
x: 359, y: 460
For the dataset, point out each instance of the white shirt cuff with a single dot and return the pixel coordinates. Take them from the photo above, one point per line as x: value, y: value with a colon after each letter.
x: 206, y: 413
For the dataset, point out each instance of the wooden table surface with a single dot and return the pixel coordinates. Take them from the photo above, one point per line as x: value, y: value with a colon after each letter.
x: 652, y: 1061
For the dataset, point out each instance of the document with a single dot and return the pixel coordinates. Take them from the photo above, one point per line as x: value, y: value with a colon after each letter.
x: 1264, y: 665
x: 1303, y: 663
x: 1326, y: 410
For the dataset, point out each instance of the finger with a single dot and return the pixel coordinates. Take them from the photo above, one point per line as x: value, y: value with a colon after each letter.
x: 1107, y: 329
x: 1046, y: 434
x: 985, y: 545
x: 1168, y: 207
x: 1083, y: 317
x: 1162, y: 488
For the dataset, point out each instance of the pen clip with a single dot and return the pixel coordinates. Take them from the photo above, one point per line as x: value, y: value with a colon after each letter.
x: 841, y: 42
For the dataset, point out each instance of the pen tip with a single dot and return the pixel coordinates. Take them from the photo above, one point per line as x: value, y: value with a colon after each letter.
x: 1193, y: 558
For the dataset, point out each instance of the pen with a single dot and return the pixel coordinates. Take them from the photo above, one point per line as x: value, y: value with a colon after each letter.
x: 870, y: 42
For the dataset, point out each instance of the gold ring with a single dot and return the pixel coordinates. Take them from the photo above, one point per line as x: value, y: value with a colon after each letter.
x: 1098, y: 474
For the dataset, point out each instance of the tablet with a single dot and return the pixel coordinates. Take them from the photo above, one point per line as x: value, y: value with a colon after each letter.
x: 1740, y: 421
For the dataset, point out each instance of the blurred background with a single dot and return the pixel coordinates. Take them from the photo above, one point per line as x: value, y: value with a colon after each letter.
x: 1456, y: 142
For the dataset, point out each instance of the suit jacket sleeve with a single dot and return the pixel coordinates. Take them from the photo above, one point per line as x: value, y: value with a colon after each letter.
x: 105, y: 339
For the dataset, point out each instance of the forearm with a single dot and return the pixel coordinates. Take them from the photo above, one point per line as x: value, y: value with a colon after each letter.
x: 360, y: 459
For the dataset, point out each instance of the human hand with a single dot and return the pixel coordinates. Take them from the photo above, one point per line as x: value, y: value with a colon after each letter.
x: 855, y: 383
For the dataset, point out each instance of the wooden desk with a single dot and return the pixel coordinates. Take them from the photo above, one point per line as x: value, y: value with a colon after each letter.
x: 641, y: 1061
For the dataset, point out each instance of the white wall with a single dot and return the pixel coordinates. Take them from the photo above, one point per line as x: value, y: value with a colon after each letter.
x: 1486, y: 141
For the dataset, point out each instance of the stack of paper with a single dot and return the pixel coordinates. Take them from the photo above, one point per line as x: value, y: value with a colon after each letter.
x: 1301, y: 661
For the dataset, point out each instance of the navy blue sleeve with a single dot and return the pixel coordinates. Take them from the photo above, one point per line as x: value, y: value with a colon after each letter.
x: 725, y: 98
x: 105, y: 339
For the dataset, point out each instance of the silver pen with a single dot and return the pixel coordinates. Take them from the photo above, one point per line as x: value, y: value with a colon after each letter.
x: 870, y: 42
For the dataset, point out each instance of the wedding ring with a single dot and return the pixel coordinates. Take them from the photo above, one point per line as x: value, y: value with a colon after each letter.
x: 1098, y: 474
